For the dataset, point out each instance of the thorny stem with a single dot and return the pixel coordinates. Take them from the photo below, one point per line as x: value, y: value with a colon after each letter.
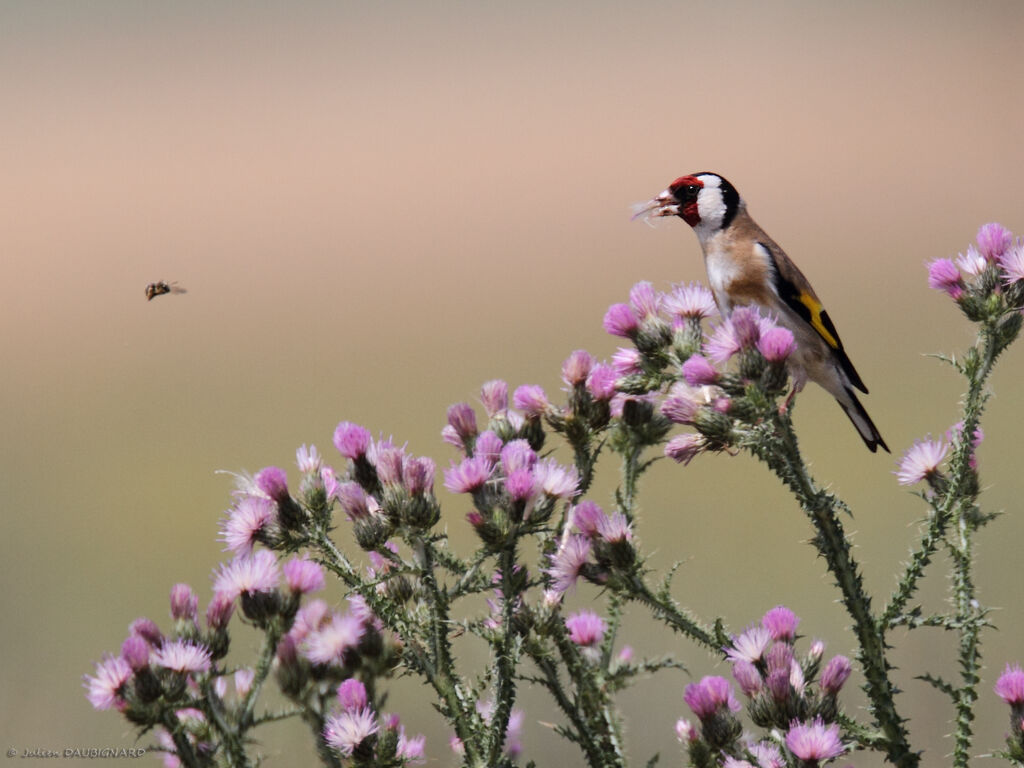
x: 781, y: 452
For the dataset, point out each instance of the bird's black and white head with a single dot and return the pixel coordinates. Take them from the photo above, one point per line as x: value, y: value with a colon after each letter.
x: 705, y: 201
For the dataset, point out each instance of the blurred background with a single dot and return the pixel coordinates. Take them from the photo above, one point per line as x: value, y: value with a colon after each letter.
x: 376, y: 207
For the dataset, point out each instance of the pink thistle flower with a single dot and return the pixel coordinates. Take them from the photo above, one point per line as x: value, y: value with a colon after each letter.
x: 332, y: 641
x: 685, y: 731
x: 219, y: 611
x: 389, y: 461
x: 148, y: 631
x: 353, y: 500
x: 309, y: 618
x: 835, y: 674
x: 814, y: 741
x: 747, y: 324
x: 723, y: 344
x: 567, y: 563
x: 577, y: 367
x: 411, y: 749
x: 767, y: 755
x: 345, y: 731
x: 682, y: 404
x: 621, y: 320
x: 781, y: 623
x: 273, y: 481
x: 467, y: 476
x: 747, y: 677
x: 691, y: 301
x: 516, y: 455
x: 586, y: 628
x: 709, y: 695
x: 352, y: 694
x: 698, y: 372
x: 352, y: 440
x: 104, y: 689
x: 555, y: 480
x: 488, y: 446
x: 135, y: 650
x: 531, y: 400
x: 1012, y: 263
x: 462, y: 419
x: 587, y: 516
x: 1010, y: 685
x: 519, y: 484
x: 494, y: 396
x: 749, y: 645
x: 243, y: 681
x: 776, y: 344
x: 626, y: 362
x: 779, y: 657
x: 307, y: 459
x: 645, y: 301
x: 255, y: 573
x: 943, y: 275
x: 921, y: 461
x: 249, y: 518
x: 184, y: 603
x: 614, y: 528
x: 683, y: 448
x: 971, y: 263
x: 418, y: 475
x: 303, y: 575
x: 993, y: 240
x: 183, y: 656
x: 601, y: 382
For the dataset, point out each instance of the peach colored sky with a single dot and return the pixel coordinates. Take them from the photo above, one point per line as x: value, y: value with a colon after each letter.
x: 375, y: 208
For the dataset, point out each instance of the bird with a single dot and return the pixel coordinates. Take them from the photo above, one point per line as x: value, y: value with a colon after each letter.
x: 747, y: 268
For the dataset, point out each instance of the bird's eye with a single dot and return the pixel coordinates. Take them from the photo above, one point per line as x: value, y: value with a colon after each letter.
x: 691, y: 191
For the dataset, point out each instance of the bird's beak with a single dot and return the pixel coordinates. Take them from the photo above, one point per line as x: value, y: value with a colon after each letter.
x: 664, y: 204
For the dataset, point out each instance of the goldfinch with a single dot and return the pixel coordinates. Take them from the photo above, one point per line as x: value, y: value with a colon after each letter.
x: 746, y: 267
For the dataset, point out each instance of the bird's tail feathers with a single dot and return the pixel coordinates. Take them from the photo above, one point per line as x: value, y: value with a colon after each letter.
x: 865, y: 426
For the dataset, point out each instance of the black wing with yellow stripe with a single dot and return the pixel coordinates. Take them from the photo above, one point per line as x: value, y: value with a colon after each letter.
x: 810, y: 310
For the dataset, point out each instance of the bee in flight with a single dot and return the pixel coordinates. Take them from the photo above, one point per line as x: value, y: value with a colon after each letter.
x: 160, y: 288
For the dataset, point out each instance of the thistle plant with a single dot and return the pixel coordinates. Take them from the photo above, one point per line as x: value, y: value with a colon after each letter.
x: 524, y: 468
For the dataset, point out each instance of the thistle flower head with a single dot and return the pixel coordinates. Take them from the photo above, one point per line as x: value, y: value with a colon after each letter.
x: 621, y: 320
x: 346, y: 730
x: 577, y: 367
x: 921, y: 461
x: 993, y: 240
x: 494, y: 396
x: 250, y: 517
x: 586, y: 628
x: 709, y: 695
x: 104, y: 689
x: 1010, y: 685
x: 531, y: 400
x: 183, y: 656
x: 256, y: 573
x: 943, y: 275
x: 814, y: 741
x: 690, y: 301
x: 601, y: 382
x: 749, y: 645
x: 352, y: 440
x: 303, y: 576
x: 352, y: 694
x: 698, y: 371
x: 781, y: 623
x: 467, y: 476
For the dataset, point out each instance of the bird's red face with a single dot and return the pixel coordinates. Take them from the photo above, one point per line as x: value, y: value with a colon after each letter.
x: 680, y: 199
